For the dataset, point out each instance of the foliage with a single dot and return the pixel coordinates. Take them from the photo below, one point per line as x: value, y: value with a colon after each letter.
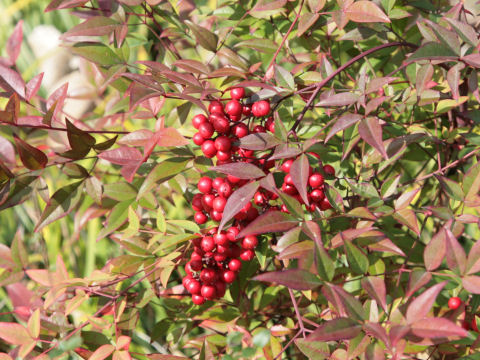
x: 96, y: 215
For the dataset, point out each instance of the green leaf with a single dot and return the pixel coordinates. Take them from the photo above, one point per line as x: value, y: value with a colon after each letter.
x: 284, y: 78
x: 433, y: 51
x: 97, y: 53
x: 204, y: 37
x: 62, y: 202
x: 452, y: 188
x: 118, y: 216
x: 325, y: 265
x: 314, y: 350
x: 357, y: 260
x: 262, y: 45
x: 120, y: 191
x: 31, y: 157
x: 296, y: 279
x: 471, y: 181
x: 261, y: 338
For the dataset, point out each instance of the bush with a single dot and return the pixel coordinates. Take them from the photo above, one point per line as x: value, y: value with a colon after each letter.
x: 259, y: 179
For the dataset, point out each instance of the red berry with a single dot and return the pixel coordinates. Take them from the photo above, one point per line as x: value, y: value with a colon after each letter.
x: 207, y: 201
x: 259, y: 129
x: 216, y: 215
x: 198, y: 139
x: 236, y: 118
x: 206, y: 130
x: 240, y: 130
x: 208, y: 149
x: 198, y: 120
x: 329, y: 170
x: 197, y: 202
x: 219, y: 203
x: 195, y: 256
x: 229, y: 276
x: 217, y: 182
x: 252, y: 214
x: 200, y: 218
x: 288, y: 180
x: 317, y: 195
x: 454, y: 302
x: 220, y: 239
x: 259, y: 199
x: 220, y: 288
x: 215, y: 107
x: 250, y: 242
x: 232, y: 233
x: 289, y: 189
x: 185, y: 282
x: 261, y: 108
x: 223, y: 143
x: 474, y: 323
x: 325, y: 204
x: 208, y: 291
x: 221, y: 125
x: 188, y: 269
x: 204, y: 184
x: 315, y: 180
x: 198, y: 299
x: 223, y: 249
x: 233, y: 179
x: 247, y: 255
x: 225, y: 190
x: 234, y: 108
x: 237, y: 93
x: 270, y: 125
x: 287, y: 165
x: 207, y: 244
x: 224, y: 155
x: 235, y: 265
x: 196, y: 265
x: 193, y: 287
x: 220, y: 257
x: 208, y: 276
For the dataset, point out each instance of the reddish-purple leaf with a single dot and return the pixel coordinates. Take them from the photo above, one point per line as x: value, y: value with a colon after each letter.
x: 282, y: 151
x: 371, y: 131
x: 375, y: 287
x: 472, y: 60
x: 33, y: 85
x: 336, y: 329
x: 270, y: 221
x: 64, y: 4
x: 405, y: 199
x: 341, y: 99
x: 237, y: 202
x: 377, y: 331
x: 170, y: 137
x: 435, y: 251
x: 408, y: 218
x: 102, y: 352
x: 417, y: 279
x: 136, y: 138
x: 453, y: 79
x: 299, y: 172
x: 57, y: 98
x: 297, y: 279
x: 14, y: 333
x: 95, y: 26
x: 312, y: 230
x: 14, y: 42
x: 420, y: 307
x: 258, y: 141
x: 352, y: 306
x: 365, y: 12
x: 7, y: 151
x: 240, y: 170
x: 343, y: 123
x: 473, y: 260
x: 11, y: 81
x: 31, y: 157
x: 306, y: 21
x: 456, y: 258
x: 297, y: 250
x: 436, y: 328
x: 471, y: 283
x: 123, y: 155
x: 397, y: 333
x: 192, y: 66
x: 378, y: 83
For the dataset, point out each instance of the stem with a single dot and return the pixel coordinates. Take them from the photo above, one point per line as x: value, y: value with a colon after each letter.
x: 324, y: 82
x: 297, y: 312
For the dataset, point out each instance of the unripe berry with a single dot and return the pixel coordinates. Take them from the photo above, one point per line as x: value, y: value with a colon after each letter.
x: 261, y: 108
x: 208, y: 149
x: 198, y: 120
x: 206, y: 130
x: 329, y: 170
x: 198, y: 299
x: 237, y: 93
x: 229, y: 276
x: 223, y: 143
x: 235, y: 265
x: 250, y: 242
x: 208, y: 291
x: 315, y: 180
x: 234, y: 108
x: 200, y: 218
x: 207, y: 245
x: 454, y: 302
x: 204, y: 184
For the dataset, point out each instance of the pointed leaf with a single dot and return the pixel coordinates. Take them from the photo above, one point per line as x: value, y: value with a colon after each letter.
x: 33, y: 325
x: 365, y: 12
x: 452, y: 188
x: 94, y: 26
x: 14, y: 42
x: 417, y: 279
x: 342, y: 123
x: 31, y: 157
x: 456, y: 258
x: 192, y: 66
x: 33, y: 85
x: 170, y: 137
x: 299, y: 172
x: 11, y: 81
x: 270, y: 221
x: 204, y: 37
x: 433, y: 51
x: 435, y: 251
x: 296, y: 279
x: 471, y: 181
x: 240, y: 170
x: 258, y: 141
x: 375, y: 287
x: 14, y: 333
x: 406, y: 199
x: 237, y: 201
x: 471, y: 283
x: 421, y: 306
x: 408, y: 218
x: 317, y: 350
x: 371, y: 131
x: 97, y: 53
x: 341, y: 99
x: 102, y: 352
x: 336, y: 329
x: 437, y: 328
x: 306, y: 21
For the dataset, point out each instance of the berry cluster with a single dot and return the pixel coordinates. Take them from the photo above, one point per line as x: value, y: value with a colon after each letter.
x: 217, y: 255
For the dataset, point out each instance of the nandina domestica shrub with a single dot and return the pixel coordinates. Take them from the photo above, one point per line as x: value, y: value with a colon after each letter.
x: 252, y: 180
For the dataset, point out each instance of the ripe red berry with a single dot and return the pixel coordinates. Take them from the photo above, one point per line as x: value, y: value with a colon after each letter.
x: 206, y: 130
x: 250, y: 242
x: 235, y: 265
x: 233, y: 179
x: 216, y: 215
x: 185, y: 282
x: 215, y: 107
x: 207, y: 201
x: 235, y: 117
x: 234, y: 108
x: 223, y: 249
x: 454, y: 302
x: 259, y: 129
x: 208, y: 276
x: 237, y: 93
x: 288, y: 180
x: 232, y: 233
x: 208, y: 149
x: 240, y: 130
x: 204, y: 184
x: 198, y: 139
x: 220, y: 239
x: 289, y: 189
x: 196, y: 265
x: 195, y: 256
x: 329, y: 170
x: 217, y: 182
x: 247, y: 255
x: 200, y: 218
x: 252, y: 214
x: 224, y: 156
x: 208, y: 291
x: 197, y: 202
x: 315, y: 180
x: 474, y: 323
x: 259, y: 199
x: 221, y: 125
x: 193, y: 287
x: 207, y: 245
x: 220, y: 257
x: 220, y: 288
x: 198, y: 299
x: 247, y: 110
x: 198, y: 120
x: 261, y: 108
x: 287, y: 165
x: 317, y: 195
x: 223, y: 143
x: 225, y: 190
x: 219, y: 203
x: 325, y: 204
x: 229, y: 276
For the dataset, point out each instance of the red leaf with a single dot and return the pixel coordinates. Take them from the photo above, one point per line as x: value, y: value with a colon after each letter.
x: 473, y: 260
x: 297, y: 279
x: 33, y: 85
x: 237, y: 201
x: 123, y: 155
x: 375, y: 287
x: 377, y: 331
x: 95, y: 26
x: 417, y: 279
x: 365, y: 12
x: 240, y: 170
x: 436, y: 327
x: 471, y: 283
x: 170, y: 137
x: 11, y: 81
x: 259, y: 141
x: 371, y: 131
x: 420, y: 307
x: 14, y: 333
x: 435, y: 251
x: 64, y: 4
x: 271, y: 221
x: 343, y: 123
x: 341, y: 99
x: 405, y: 199
x: 31, y: 157
x: 57, y: 99
x: 456, y: 258
x: 102, y: 352
x: 14, y: 42
x: 336, y: 329
x: 299, y: 172
x: 136, y: 138
x: 7, y: 151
